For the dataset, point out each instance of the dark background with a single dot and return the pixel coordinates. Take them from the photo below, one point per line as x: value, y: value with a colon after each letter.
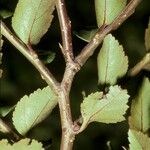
x: 20, y: 77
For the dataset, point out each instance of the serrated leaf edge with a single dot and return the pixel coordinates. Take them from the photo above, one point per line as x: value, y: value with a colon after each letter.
x: 28, y: 98
x: 104, y: 97
x: 122, y: 52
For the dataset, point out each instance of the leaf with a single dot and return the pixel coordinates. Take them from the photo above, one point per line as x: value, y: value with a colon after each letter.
x: 108, y: 108
x: 32, y: 19
x: 147, y: 37
x: 47, y: 57
x: 4, y: 111
x: 140, y: 108
x: 138, y: 141
x: 5, y: 13
x: 24, y: 144
x: 112, y: 62
x: 108, y: 10
x: 5, y: 145
x: 1, y: 44
x: 33, y: 109
x: 86, y: 35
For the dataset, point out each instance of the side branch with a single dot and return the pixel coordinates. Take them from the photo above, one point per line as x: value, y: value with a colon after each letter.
x: 141, y: 65
x: 4, y: 128
x: 31, y: 56
x: 89, y: 49
x: 65, y: 26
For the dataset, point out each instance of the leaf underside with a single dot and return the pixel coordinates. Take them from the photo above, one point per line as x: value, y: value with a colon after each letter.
x: 4, y: 111
x: 86, y: 35
x: 32, y: 19
x: 5, y: 13
x: 33, y: 109
x: 112, y: 62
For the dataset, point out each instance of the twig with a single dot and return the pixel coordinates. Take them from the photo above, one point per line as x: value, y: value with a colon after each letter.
x: 139, y: 66
x: 89, y: 49
x: 31, y: 56
x: 65, y: 25
x: 4, y: 128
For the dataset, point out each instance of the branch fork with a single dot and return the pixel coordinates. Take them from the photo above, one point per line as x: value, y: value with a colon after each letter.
x: 73, y: 64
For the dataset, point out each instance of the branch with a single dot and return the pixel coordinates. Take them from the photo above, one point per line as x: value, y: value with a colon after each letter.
x: 4, y: 128
x: 65, y: 25
x: 31, y: 56
x: 68, y: 135
x: 141, y: 65
x: 89, y: 49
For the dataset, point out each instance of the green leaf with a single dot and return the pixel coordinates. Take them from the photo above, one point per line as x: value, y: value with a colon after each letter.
x: 108, y: 10
x: 1, y: 44
x: 108, y: 108
x: 32, y: 19
x: 24, y: 144
x: 140, y: 108
x: 5, y: 13
x: 86, y: 35
x: 47, y: 57
x: 33, y: 109
x: 138, y: 140
x: 147, y: 37
x: 4, y: 111
x: 50, y: 58
x: 112, y: 62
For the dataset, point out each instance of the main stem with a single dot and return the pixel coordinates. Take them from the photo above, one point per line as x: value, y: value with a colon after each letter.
x: 66, y: 120
x: 68, y: 135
